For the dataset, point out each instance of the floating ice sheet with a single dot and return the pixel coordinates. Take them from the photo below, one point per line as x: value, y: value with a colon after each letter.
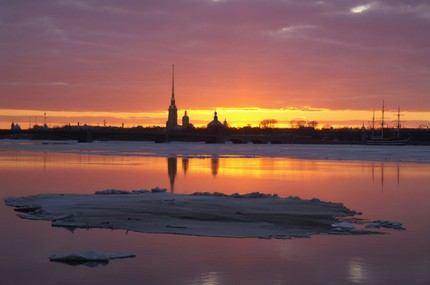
x: 252, y: 215
x: 90, y: 258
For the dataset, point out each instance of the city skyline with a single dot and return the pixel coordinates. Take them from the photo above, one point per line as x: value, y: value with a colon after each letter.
x: 328, y: 61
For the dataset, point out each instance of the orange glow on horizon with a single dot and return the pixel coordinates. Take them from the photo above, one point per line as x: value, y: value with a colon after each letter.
x: 236, y: 117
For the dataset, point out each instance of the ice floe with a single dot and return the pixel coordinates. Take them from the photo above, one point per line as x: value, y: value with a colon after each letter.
x: 90, y: 258
x: 253, y: 215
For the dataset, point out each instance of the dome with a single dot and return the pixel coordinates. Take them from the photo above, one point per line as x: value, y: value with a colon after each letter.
x: 215, y: 123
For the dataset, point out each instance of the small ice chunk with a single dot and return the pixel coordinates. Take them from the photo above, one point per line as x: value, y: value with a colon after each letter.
x: 140, y: 191
x: 89, y: 255
x: 258, y: 195
x: 237, y: 195
x: 111, y: 192
x: 158, y: 190
x: 343, y: 226
x: 385, y: 224
x: 203, y: 194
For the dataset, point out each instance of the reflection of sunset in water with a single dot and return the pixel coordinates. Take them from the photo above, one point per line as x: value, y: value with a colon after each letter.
x: 348, y: 182
x: 386, y: 190
x: 142, y: 171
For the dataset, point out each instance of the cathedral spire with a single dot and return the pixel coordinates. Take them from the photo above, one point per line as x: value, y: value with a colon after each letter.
x: 173, y: 85
x: 172, y: 120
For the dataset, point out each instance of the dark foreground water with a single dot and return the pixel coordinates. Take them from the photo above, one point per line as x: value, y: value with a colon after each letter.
x: 381, y: 189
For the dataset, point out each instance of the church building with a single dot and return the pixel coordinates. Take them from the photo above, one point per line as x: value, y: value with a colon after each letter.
x: 185, y: 120
x: 172, y: 120
x: 216, y: 124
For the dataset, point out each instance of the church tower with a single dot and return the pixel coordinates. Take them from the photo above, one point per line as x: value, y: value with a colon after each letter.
x: 185, y: 120
x: 172, y: 120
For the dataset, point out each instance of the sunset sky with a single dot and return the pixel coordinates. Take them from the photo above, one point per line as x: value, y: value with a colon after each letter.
x: 332, y: 61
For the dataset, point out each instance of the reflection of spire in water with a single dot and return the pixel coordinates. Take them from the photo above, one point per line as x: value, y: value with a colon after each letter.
x: 382, y: 176
x: 214, y: 165
x: 398, y: 175
x: 185, y: 165
x: 171, y: 168
x: 44, y: 161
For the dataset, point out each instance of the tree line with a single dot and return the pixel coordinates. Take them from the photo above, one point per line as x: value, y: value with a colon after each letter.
x: 271, y: 123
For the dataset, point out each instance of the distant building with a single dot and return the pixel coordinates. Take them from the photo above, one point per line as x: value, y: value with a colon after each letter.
x: 172, y: 120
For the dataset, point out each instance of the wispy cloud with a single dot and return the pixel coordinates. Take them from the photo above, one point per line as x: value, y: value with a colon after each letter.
x: 361, y: 8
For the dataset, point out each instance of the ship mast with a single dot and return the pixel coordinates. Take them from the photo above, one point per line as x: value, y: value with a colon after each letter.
x: 398, y: 122
x: 382, y: 121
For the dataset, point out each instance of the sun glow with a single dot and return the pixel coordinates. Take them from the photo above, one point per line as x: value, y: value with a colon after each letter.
x: 235, y: 117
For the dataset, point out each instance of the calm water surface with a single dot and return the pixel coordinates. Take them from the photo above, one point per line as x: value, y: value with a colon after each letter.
x: 380, y: 190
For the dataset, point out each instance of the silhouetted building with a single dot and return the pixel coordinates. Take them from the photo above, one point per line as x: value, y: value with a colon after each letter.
x: 172, y: 120
x: 215, y: 124
x: 216, y: 130
x: 185, y: 120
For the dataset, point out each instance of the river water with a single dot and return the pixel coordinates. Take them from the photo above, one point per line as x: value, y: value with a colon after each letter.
x: 380, y: 183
